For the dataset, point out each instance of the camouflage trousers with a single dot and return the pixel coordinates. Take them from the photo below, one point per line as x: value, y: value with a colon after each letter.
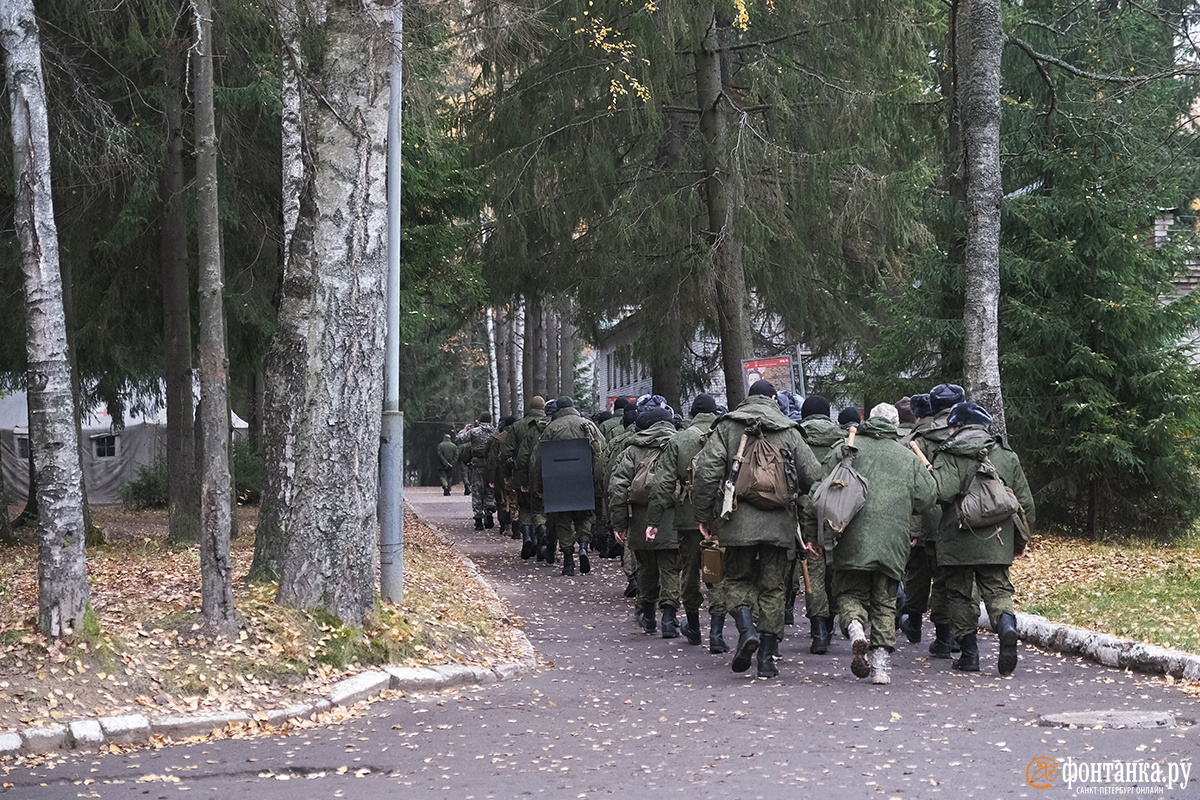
x: 531, y: 509
x: 571, y: 527
x: 483, y: 501
x: 995, y: 588
x: 716, y: 599
x: 658, y: 577
x: 868, y: 598
x: 925, y: 585
x: 756, y: 578
x: 689, y: 569
x: 818, y: 592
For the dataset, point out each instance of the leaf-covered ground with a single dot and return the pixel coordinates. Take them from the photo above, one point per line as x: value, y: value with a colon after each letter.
x: 146, y: 651
x: 1140, y: 590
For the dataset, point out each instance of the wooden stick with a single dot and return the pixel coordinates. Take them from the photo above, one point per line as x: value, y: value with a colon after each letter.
x: 807, y: 580
x: 850, y: 438
x: 920, y: 455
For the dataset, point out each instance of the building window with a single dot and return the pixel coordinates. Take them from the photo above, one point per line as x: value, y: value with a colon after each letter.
x: 105, y: 446
x: 23, y: 447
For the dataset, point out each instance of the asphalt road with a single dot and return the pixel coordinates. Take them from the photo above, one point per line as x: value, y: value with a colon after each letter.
x: 613, y: 712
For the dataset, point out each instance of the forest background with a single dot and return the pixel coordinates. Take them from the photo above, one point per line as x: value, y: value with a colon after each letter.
x: 766, y: 173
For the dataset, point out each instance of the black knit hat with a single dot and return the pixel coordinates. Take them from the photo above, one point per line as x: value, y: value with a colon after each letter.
x: 485, y: 417
x: 620, y: 403
x: 703, y: 404
x: 602, y: 416
x: 551, y: 407
x: 814, y: 404
x: 763, y: 388
x: 629, y: 415
x: 849, y: 416
x: 945, y: 395
x: 968, y: 413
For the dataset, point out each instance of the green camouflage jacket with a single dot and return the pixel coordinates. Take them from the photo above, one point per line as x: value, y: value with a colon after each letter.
x: 672, y: 473
x: 631, y: 517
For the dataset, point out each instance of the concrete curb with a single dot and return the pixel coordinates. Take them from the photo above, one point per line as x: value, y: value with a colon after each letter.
x: 1102, y: 648
x: 93, y: 734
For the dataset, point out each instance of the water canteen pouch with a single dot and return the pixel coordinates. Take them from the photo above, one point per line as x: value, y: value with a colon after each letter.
x: 712, y: 562
x: 987, y: 501
x: 762, y: 479
x: 839, y: 497
x: 643, y: 479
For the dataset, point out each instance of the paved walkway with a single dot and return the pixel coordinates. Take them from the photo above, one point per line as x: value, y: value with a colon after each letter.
x: 612, y: 712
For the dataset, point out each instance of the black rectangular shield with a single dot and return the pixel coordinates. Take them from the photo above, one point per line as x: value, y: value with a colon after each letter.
x: 567, y: 475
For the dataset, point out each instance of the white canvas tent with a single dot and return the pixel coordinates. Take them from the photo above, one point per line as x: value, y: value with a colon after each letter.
x: 110, y: 458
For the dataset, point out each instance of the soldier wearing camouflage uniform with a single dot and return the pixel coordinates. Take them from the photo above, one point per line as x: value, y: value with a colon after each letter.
x: 759, y: 543
x: 673, y: 489
x: 497, y: 481
x: 870, y: 555
x: 929, y: 434
x: 516, y: 455
x: 615, y: 424
x: 979, y: 559
x: 822, y: 434
x: 608, y: 458
x: 572, y: 528
x: 447, y: 454
x: 657, y: 546
x: 478, y: 438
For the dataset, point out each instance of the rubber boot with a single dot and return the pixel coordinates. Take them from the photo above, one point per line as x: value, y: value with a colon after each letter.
x: 858, y: 646
x: 585, y: 563
x: 479, y: 523
x: 488, y: 521
x: 820, y: 631
x: 969, y: 660
x: 1006, y: 626
x: 789, y: 609
x: 568, y: 567
x: 942, y: 645
x: 716, y: 634
x: 691, y: 628
x: 766, y: 656
x: 670, y: 623
x: 631, y: 587
x: 528, y: 545
x: 910, y: 626
x: 539, y: 534
x: 645, y: 618
x: 748, y: 640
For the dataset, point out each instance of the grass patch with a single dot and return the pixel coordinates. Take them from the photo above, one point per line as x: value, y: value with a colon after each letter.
x: 1140, y: 590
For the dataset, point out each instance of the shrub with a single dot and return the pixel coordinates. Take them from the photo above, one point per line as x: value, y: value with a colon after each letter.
x: 149, y: 488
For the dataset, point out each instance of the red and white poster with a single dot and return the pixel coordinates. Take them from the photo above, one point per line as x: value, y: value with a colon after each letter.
x: 778, y: 371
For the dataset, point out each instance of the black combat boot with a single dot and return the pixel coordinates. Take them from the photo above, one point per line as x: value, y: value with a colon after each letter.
x: 631, y: 587
x: 539, y: 536
x: 789, y: 609
x: 943, y: 642
x: 969, y: 660
x: 716, y: 634
x: 466, y: 489
x: 821, y: 633
x: 568, y: 563
x: 616, y: 549
x: 528, y: 545
x: 551, y: 551
x: 445, y: 491
x: 766, y: 656
x: 1006, y: 626
x: 645, y: 618
x: 670, y: 623
x: 747, y: 640
x: 910, y: 626
x: 691, y: 627
x: 585, y: 563
x: 479, y: 523
x: 488, y: 522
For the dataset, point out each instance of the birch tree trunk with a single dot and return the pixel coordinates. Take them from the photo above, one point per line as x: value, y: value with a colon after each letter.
x: 566, y: 352
x: 62, y: 578
x: 290, y: 350
x: 331, y: 559
x: 721, y: 191
x: 183, y: 493
x: 503, y: 361
x: 552, y: 375
x: 518, y: 350
x: 489, y: 333
x: 981, y: 138
x: 216, y: 568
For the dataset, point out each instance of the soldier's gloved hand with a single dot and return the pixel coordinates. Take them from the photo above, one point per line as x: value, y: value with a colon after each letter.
x: 651, y: 532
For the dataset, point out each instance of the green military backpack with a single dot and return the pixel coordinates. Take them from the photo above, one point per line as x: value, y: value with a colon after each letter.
x: 839, y: 497
x: 987, y: 501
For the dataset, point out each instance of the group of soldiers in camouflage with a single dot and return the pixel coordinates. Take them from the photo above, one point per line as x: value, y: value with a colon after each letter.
x: 662, y: 496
